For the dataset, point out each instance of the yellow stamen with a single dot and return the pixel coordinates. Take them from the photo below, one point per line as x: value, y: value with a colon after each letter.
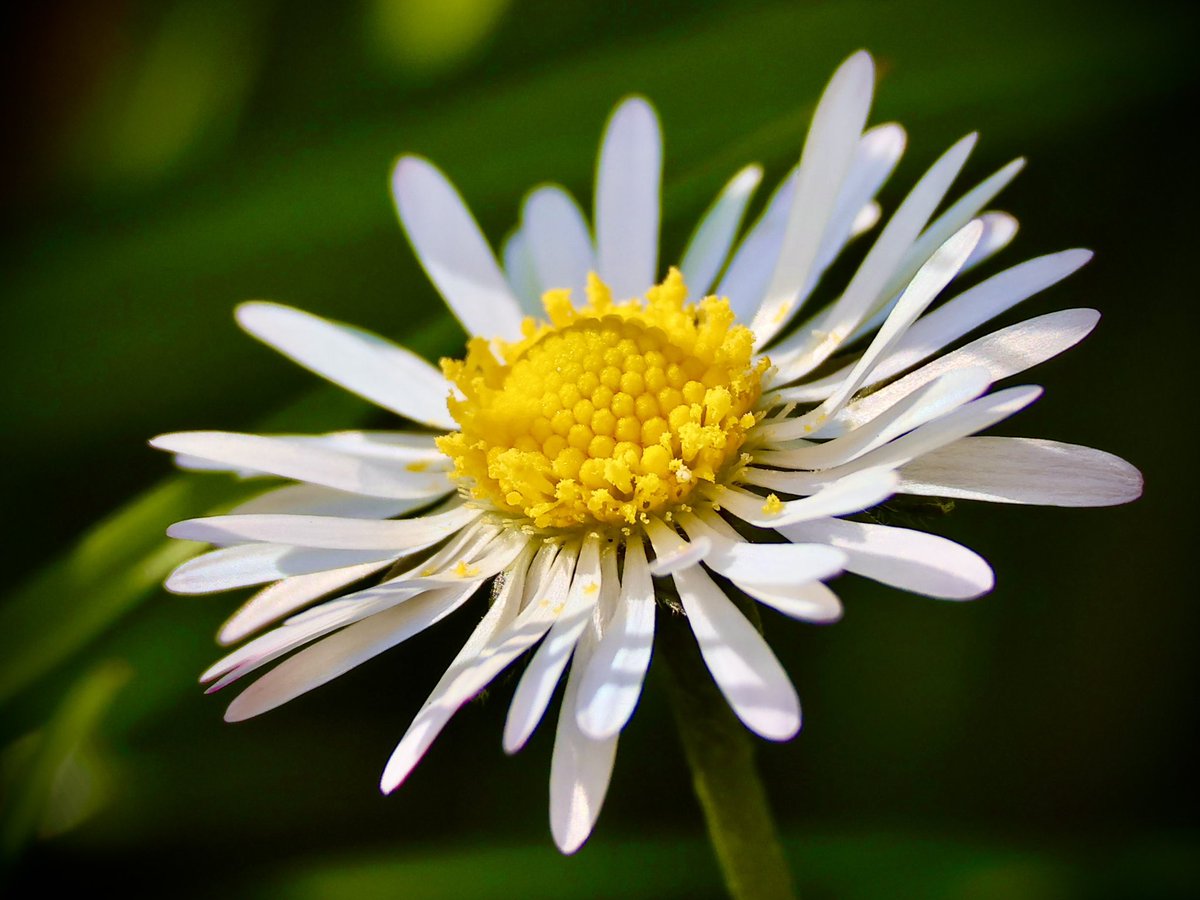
x: 773, y: 506
x: 604, y: 413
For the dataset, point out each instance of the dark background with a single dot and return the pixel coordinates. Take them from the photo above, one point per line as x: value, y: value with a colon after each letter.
x: 166, y: 160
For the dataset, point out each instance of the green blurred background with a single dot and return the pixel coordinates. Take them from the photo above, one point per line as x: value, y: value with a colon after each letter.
x: 166, y: 160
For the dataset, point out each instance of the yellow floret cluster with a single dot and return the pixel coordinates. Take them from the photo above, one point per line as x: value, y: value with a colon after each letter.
x: 605, y: 413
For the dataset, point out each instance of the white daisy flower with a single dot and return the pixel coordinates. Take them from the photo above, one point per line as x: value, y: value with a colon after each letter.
x: 605, y: 429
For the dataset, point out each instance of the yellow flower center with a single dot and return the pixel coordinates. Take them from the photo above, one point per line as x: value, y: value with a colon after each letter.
x: 606, y: 413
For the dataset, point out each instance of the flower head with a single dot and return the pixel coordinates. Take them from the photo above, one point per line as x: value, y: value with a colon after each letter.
x: 607, y: 426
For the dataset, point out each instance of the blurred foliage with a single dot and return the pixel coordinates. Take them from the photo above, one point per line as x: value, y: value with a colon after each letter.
x: 178, y: 157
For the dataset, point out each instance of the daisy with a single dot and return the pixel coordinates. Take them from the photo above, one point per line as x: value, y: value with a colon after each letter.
x: 611, y: 431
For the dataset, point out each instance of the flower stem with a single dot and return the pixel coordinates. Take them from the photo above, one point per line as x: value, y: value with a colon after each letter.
x: 720, y: 754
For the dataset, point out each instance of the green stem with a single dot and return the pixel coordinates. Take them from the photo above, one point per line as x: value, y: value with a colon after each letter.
x: 720, y: 754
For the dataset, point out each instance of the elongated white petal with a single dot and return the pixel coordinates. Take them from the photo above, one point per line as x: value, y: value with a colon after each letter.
x: 410, y: 451
x: 341, y: 652
x: 393, y: 446
x: 461, y: 567
x: 199, y: 464
x: 973, y: 308
x: 1023, y: 470
x: 301, y: 629
x: 809, y: 347
x: 956, y: 318
x: 741, y: 663
x: 544, y: 670
x: 559, y: 242
x: 326, y: 531
x: 810, y: 601
x: 843, y: 496
x: 453, y: 251
x: 928, y: 283
x: 708, y: 247
x: 935, y: 399
x: 911, y: 560
x: 521, y: 274
x: 315, y: 500
x: 501, y: 636
x: 628, y: 183
x: 966, y: 420
x: 328, y: 617
x: 876, y: 156
x: 361, y: 362
x: 581, y: 766
x: 961, y: 212
x: 1003, y: 353
x: 752, y: 563
x: 749, y: 272
x: 247, y: 564
x: 999, y: 228
x: 612, y: 680
x: 284, y: 597
x: 828, y: 153
x: 671, y: 552
x: 746, y: 561
x: 305, y: 462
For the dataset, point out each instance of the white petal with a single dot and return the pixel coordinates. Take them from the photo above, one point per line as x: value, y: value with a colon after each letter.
x: 199, y: 464
x: 248, y: 564
x: 459, y: 566
x: 828, y: 152
x: 301, y: 629
x: 544, y: 670
x: 761, y: 563
x: 810, y: 601
x: 1023, y: 470
x: 410, y: 451
x: 930, y: 402
x: 671, y: 552
x: 453, y: 251
x: 1003, y: 353
x: 580, y: 767
x: 959, y: 214
x: 925, y: 286
x: 628, y: 182
x: 911, y: 560
x: 328, y: 617
x: 864, y: 220
x: 393, y: 446
x: 809, y: 347
x: 708, y: 247
x: 326, y: 531
x: 456, y: 685
x: 966, y: 420
x: 500, y: 638
x: 521, y: 274
x: 278, y: 600
x: 559, y: 242
x: 876, y: 156
x: 314, y: 500
x: 956, y: 318
x: 745, y: 280
x: 999, y: 228
x: 307, y: 462
x: 612, y: 681
x: 740, y: 661
x: 841, y: 497
x: 343, y: 651
x: 361, y: 362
